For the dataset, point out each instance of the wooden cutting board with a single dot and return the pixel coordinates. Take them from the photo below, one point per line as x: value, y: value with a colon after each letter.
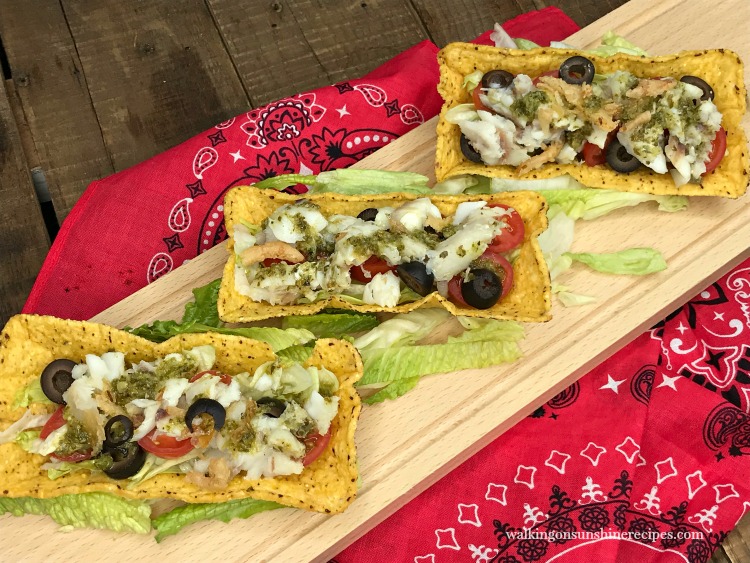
x: 408, y: 444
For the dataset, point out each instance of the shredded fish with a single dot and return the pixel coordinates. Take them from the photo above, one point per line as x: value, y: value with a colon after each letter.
x: 548, y: 155
x: 641, y: 119
x: 216, y: 477
x: 650, y: 87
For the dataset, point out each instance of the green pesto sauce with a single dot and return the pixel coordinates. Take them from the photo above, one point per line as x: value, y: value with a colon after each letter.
x: 239, y: 435
x: 372, y: 244
x: 527, y: 105
x: 76, y: 439
x: 145, y: 385
x: 448, y: 231
x: 593, y: 102
x: 577, y: 137
x: 632, y: 108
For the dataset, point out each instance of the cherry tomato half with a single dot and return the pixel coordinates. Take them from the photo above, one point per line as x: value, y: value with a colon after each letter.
x: 512, y: 235
x: 554, y: 73
x: 498, y: 263
x: 165, y: 446
x: 718, y: 148
x: 477, y: 100
x: 225, y: 379
x: 57, y: 420
x: 315, y: 445
x: 593, y: 155
x: 369, y: 268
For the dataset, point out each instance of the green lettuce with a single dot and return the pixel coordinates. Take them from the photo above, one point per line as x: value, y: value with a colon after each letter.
x: 175, y: 520
x: 525, y: 44
x: 298, y: 354
x: 86, y: 510
x: 633, y: 261
x: 591, y: 203
x: 203, y: 309
x: 32, y: 393
x: 613, y: 44
x: 353, y: 181
x: 27, y: 438
x: 332, y: 325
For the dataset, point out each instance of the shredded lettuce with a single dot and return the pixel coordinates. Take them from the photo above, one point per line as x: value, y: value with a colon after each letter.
x: 591, y: 203
x: 402, y: 330
x: 332, y: 325
x: 612, y: 44
x: 171, y: 522
x: 472, y: 80
x: 525, y: 44
x: 86, y: 510
x: 298, y: 354
x: 32, y: 393
x: 27, y: 438
x: 353, y: 181
x: 633, y: 261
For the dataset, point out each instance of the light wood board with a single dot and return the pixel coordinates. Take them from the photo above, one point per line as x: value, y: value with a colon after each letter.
x: 408, y: 444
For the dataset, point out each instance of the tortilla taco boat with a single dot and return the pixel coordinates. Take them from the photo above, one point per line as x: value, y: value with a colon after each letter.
x: 472, y: 255
x: 660, y: 125
x: 201, y: 418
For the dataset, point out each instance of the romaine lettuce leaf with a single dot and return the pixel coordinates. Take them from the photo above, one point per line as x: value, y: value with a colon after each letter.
x: 353, y: 181
x: 86, y: 510
x: 402, y: 330
x: 32, y: 393
x: 590, y: 203
x: 203, y: 309
x: 525, y: 44
x: 26, y: 438
x: 634, y: 261
x: 298, y: 354
x: 173, y: 521
x: 612, y: 44
x: 399, y: 368
x: 332, y: 325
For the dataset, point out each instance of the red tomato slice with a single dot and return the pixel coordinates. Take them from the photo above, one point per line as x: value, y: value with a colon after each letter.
x: 316, y: 445
x: 554, y: 73
x: 593, y: 155
x: 225, y: 379
x: 454, y: 291
x: 478, y: 102
x: 56, y: 421
x: 718, y: 148
x: 512, y: 235
x: 502, y: 268
x: 369, y: 268
x: 165, y: 446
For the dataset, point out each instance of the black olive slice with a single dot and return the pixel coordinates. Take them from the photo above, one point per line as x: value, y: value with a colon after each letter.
x: 708, y: 92
x: 416, y: 277
x: 620, y: 159
x: 483, y: 288
x: 368, y: 214
x: 127, y: 460
x: 117, y: 431
x: 56, y: 378
x: 212, y: 408
x: 577, y: 70
x: 271, y: 407
x: 469, y: 151
x: 497, y: 79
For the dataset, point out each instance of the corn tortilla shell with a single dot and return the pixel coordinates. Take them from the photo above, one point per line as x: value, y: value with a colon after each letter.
x: 29, y: 342
x: 721, y: 68
x: 529, y: 300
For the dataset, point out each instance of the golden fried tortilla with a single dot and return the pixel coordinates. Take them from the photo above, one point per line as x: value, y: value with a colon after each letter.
x: 29, y: 342
x: 529, y: 300
x: 721, y: 68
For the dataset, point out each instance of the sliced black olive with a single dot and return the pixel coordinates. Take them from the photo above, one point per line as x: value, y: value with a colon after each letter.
x: 708, y: 92
x: 368, y: 214
x: 416, y: 277
x: 483, y: 288
x: 117, y: 431
x: 56, y: 378
x: 577, y: 70
x: 469, y: 151
x: 497, y: 79
x: 620, y: 159
x: 212, y: 408
x: 271, y: 407
x: 127, y: 460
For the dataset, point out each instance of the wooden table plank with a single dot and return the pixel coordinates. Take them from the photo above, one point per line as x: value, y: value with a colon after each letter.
x: 54, y: 97
x: 462, y: 20
x: 282, y: 48
x: 23, y: 243
x: 157, y: 72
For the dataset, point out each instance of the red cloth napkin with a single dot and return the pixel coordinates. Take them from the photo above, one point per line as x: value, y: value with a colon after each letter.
x: 650, y: 444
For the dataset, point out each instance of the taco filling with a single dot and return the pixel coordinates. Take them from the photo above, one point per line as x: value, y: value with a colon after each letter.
x: 573, y: 114
x: 180, y: 415
x: 383, y: 256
